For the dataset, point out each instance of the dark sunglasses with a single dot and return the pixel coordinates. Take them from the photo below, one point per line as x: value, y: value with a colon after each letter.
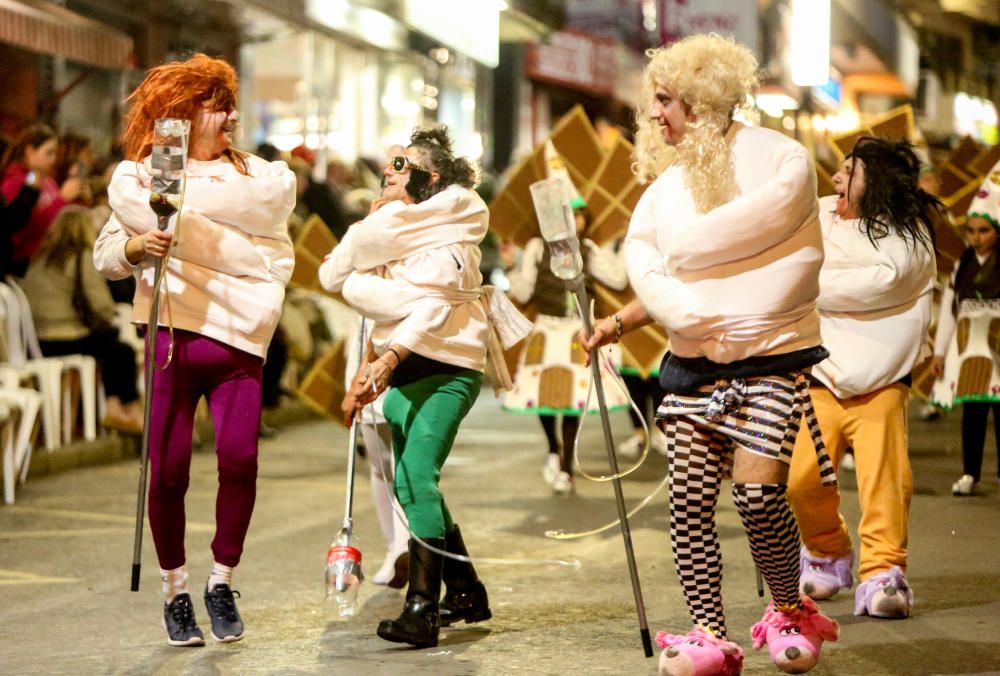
x: 402, y: 164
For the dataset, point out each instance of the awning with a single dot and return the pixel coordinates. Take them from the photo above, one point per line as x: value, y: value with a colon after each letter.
x: 45, y: 27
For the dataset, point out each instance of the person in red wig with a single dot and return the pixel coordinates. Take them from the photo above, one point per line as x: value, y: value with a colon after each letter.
x: 227, y: 259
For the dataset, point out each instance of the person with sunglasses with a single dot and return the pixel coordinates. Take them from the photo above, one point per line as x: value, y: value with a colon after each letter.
x: 412, y: 266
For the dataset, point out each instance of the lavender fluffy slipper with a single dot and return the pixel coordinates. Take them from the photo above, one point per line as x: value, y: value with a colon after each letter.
x: 822, y: 577
x: 886, y: 594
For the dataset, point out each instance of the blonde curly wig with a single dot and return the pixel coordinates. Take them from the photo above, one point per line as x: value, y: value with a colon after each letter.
x: 714, y: 77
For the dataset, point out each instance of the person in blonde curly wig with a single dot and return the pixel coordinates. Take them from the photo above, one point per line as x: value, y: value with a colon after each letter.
x: 724, y: 251
x: 713, y: 78
x: 224, y: 280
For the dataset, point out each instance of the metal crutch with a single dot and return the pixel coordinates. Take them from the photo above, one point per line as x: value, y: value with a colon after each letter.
x: 167, y: 162
x: 595, y: 368
x: 152, y: 327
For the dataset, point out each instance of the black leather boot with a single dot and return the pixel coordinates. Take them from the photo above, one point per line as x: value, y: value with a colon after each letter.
x: 465, y: 596
x: 419, y: 625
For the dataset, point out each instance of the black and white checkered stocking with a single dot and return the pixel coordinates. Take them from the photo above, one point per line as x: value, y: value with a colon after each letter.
x: 774, y: 537
x: 695, y: 455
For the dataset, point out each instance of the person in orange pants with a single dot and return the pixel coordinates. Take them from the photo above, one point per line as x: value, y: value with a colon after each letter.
x: 875, y: 304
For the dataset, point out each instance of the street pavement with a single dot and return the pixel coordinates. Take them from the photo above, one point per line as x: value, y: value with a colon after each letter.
x: 66, y: 549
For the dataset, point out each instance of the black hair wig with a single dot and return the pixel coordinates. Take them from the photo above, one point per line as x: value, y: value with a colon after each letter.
x: 892, y: 201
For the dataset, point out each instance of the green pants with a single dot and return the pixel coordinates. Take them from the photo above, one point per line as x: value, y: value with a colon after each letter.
x: 424, y: 416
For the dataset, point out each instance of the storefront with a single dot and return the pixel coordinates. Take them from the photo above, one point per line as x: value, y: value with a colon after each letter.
x: 462, y: 40
x: 570, y: 69
x: 870, y: 68
x: 349, y: 81
x: 324, y: 81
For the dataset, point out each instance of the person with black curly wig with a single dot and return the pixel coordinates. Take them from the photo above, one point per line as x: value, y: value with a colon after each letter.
x: 412, y: 266
x: 875, y: 308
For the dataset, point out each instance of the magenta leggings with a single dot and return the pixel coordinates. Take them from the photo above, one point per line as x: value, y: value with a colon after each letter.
x: 230, y: 380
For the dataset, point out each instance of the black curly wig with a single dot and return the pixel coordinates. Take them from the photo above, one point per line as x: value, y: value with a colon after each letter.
x: 892, y: 202
x: 435, y: 145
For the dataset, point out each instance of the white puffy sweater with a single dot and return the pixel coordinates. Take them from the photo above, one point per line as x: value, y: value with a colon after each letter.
x: 414, y: 269
x: 741, y: 280
x: 874, y: 304
x: 232, y: 259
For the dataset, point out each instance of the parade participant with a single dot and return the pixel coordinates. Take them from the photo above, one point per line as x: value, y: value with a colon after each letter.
x: 970, y: 299
x: 224, y: 284
x: 724, y: 251
x: 532, y: 281
x: 415, y: 262
x: 875, y: 305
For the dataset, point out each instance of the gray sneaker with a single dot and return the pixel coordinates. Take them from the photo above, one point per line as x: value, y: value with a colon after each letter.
x: 227, y: 626
x: 178, y: 619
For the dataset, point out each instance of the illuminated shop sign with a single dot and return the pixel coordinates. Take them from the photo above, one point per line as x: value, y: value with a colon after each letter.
x: 829, y: 93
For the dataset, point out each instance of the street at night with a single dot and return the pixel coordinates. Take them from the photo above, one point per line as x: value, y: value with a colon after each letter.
x: 66, y: 546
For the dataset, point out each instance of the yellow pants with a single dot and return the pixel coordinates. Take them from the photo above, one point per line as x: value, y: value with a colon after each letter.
x: 874, y: 425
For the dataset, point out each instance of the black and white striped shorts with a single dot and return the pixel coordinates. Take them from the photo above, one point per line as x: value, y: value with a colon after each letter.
x: 761, y: 415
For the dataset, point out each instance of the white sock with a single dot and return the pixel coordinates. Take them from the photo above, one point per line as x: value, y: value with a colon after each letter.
x: 220, y: 575
x: 174, y: 582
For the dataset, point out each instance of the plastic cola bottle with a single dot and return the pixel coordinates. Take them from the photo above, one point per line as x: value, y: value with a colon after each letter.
x: 343, y: 573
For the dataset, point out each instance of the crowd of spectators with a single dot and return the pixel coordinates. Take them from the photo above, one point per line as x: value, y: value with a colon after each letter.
x: 53, y: 192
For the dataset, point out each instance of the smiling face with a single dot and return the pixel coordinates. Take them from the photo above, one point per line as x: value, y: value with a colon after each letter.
x: 213, y: 131
x: 395, y: 182
x: 670, y: 113
x: 849, y: 182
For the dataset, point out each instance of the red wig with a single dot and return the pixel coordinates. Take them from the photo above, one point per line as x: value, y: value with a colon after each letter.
x: 179, y: 89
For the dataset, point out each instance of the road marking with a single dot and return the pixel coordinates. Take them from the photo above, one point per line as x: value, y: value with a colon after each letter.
x: 8, y: 577
x: 83, y: 532
x: 79, y: 515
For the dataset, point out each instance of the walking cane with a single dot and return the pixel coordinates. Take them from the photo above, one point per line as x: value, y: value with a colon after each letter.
x: 169, y: 158
x: 558, y: 228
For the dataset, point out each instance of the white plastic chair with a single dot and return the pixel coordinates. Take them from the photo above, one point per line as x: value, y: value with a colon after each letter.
x: 45, y: 373
x: 23, y: 403
x: 7, y: 446
x: 25, y: 354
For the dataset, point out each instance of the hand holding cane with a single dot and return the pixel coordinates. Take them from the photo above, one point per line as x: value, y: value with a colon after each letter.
x: 167, y: 164
x: 559, y: 231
